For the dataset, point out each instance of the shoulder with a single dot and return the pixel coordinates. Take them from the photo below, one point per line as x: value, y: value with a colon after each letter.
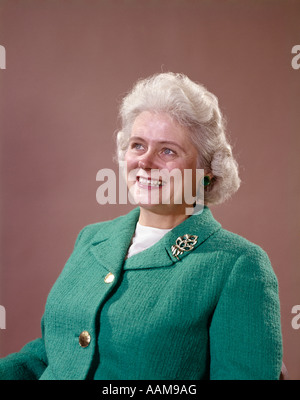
x: 233, y: 255
x: 232, y: 242
x: 248, y: 259
x: 217, y: 239
x: 105, y: 228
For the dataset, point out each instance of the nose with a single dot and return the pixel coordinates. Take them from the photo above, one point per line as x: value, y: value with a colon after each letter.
x: 147, y: 160
x: 141, y: 164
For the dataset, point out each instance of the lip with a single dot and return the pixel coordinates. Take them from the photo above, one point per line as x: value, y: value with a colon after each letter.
x: 147, y: 182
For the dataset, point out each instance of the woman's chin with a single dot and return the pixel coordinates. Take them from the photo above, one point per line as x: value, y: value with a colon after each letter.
x: 145, y: 196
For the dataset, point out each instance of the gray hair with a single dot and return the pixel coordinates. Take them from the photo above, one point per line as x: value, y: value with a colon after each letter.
x: 193, y: 106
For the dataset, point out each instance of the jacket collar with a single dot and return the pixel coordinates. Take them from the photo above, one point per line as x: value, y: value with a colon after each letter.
x: 110, y: 247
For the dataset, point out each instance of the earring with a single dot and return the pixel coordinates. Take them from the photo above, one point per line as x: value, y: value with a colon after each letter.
x: 206, y: 181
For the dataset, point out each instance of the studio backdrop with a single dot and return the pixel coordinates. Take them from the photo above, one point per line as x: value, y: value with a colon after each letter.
x: 65, y: 66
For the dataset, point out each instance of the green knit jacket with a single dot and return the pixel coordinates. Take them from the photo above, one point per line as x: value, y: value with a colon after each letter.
x: 213, y: 313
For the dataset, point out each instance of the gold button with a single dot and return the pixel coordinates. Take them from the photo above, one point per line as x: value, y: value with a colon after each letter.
x: 84, y: 339
x: 109, y: 278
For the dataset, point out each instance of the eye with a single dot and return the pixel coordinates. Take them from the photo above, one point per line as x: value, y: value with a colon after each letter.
x: 137, y: 146
x: 168, y: 152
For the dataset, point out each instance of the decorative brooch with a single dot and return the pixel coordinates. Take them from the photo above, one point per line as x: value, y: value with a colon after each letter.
x: 183, y: 243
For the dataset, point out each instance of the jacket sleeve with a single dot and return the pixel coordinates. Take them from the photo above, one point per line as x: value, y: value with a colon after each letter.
x: 245, y: 331
x: 31, y: 361
x: 28, y: 364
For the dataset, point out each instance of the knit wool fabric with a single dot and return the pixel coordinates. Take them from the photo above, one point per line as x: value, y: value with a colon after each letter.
x: 211, y: 314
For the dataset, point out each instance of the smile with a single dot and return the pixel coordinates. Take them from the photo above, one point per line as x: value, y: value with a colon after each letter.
x: 149, y: 182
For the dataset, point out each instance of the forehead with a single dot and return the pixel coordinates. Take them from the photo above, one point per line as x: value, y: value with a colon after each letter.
x: 158, y: 126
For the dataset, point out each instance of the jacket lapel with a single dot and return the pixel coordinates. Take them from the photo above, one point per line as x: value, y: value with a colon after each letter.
x: 202, y: 225
x: 160, y: 254
x: 111, y: 249
x: 110, y: 245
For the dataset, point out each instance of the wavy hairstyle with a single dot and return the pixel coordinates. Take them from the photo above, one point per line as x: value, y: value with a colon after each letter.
x: 193, y: 106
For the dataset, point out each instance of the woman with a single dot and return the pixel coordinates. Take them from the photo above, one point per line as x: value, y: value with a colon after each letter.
x: 160, y: 293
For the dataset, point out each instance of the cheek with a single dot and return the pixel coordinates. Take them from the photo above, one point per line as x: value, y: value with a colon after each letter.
x: 175, y: 165
x: 180, y: 165
x: 130, y: 169
x: 188, y: 174
x: 130, y: 161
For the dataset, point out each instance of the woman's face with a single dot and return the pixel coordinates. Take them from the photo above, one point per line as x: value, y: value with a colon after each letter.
x: 159, y: 152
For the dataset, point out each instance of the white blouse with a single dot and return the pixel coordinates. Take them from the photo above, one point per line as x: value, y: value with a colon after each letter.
x: 145, y: 237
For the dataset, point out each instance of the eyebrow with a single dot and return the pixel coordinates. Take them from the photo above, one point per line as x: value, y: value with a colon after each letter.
x: 135, y: 138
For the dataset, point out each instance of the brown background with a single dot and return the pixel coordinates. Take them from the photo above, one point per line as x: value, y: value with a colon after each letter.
x: 68, y: 65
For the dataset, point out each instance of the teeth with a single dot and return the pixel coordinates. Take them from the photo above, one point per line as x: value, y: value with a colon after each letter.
x: 150, y: 182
